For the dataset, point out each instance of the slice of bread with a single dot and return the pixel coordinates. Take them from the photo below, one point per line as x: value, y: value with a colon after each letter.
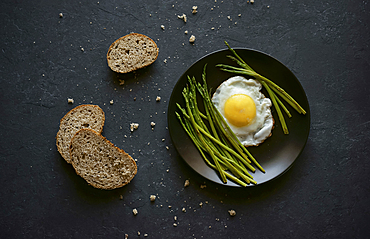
x: 131, y: 52
x: 83, y: 116
x: 99, y: 162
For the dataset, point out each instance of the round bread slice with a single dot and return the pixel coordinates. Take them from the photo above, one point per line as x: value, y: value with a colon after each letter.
x: 131, y: 52
x: 83, y: 116
x: 99, y: 162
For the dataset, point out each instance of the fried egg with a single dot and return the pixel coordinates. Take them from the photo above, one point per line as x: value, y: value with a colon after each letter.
x: 245, y: 109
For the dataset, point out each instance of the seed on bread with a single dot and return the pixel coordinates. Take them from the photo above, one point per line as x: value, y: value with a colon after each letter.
x: 99, y: 162
x: 131, y: 52
x: 83, y: 116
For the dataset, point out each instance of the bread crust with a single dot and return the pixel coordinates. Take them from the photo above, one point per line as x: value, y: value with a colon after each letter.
x: 135, y: 67
x: 96, y: 185
x: 58, y: 137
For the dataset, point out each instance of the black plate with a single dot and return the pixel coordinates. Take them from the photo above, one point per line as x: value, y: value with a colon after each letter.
x: 277, y: 154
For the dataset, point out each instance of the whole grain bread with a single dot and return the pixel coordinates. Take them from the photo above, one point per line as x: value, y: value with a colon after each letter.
x: 83, y: 116
x: 131, y: 52
x: 99, y: 162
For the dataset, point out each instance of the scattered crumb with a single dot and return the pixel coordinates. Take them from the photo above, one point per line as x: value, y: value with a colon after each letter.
x: 135, y: 212
x: 187, y: 183
x: 152, y: 124
x: 194, y: 9
x: 167, y: 147
x: 82, y: 49
x: 183, y: 209
x: 232, y: 212
x: 183, y: 17
x: 145, y: 235
x: 192, y: 39
x: 203, y: 186
x: 121, y: 197
x: 158, y: 99
x: 70, y: 101
x: 251, y: 1
x: 134, y: 126
x: 138, y: 233
x: 121, y: 82
x: 212, y: 28
x: 162, y: 26
x: 165, y: 61
x: 111, y: 102
x: 186, y: 32
x: 175, y: 218
x: 239, y: 15
x: 200, y: 204
x: 126, y: 236
x: 175, y: 225
x: 152, y: 198
x: 60, y: 15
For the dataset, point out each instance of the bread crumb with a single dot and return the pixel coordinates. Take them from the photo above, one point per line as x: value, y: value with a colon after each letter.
x: 183, y: 209
x: 165, y: 61
x: 194, y: 9
x: 232, y: 212
x: 186, y: 32
x: 167, y: 147
x: 138, y: 233
x: 175, y: 218
x: 239, y: 15
x: 212, y: 28
x: 175, y: 225
x: 183, y: 17
x: 152, y: 124
x: 60, y: 15
x: 111, y: 102
x: 70, y: 101
x: 82, y: 49
x: 134, y: 126
x: 192, y: 39
x: 200, y: 204
x: 145, y: 235
x: 252, y: 1
x: 152, y: 198
x: 158, y: 99
x: 121, y: 197
x: 187, y: 183
x: 203, y: 186
x: 162, y: 26
x: 135, y: 212
x: 121, y: 82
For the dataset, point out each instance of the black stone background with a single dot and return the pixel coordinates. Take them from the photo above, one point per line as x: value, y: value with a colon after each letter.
x: 324, y: 195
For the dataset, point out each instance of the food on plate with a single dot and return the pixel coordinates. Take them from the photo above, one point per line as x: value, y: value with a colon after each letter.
x: 245, y: 109
x: 131, y: 52
x: 80, y: 117
x: 99, y: 162
x: 272, y: 89
x: 216, y: 142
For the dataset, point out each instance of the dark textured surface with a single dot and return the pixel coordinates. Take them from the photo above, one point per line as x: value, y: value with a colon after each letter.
x: 324, y: 195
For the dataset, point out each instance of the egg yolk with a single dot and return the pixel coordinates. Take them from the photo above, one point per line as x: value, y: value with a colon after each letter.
x: 240, y: 110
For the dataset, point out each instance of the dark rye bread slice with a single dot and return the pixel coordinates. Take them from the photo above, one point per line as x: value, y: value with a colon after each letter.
x: 99, y: 162
x: 80, y: 117
x: 131, y: 52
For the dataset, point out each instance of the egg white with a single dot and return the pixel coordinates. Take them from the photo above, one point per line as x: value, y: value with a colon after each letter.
x: 261, y: 126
